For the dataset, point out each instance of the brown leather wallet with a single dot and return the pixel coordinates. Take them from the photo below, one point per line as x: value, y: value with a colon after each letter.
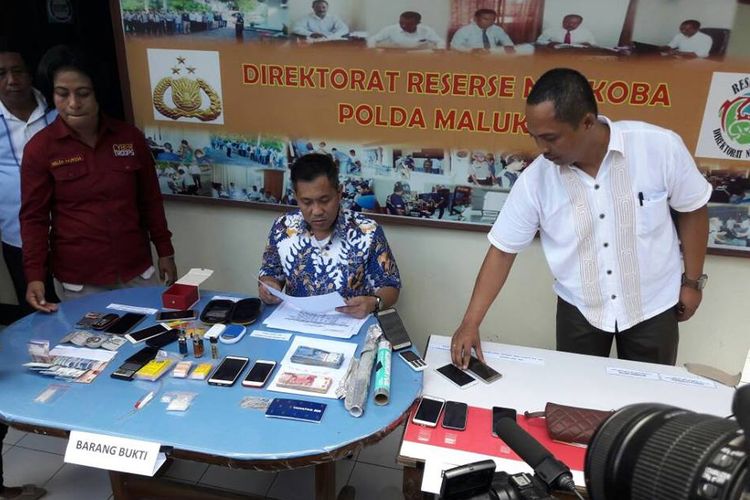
x: 570, y: 424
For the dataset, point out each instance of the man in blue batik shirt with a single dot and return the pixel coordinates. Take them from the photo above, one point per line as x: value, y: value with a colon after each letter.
x: 323, y: 247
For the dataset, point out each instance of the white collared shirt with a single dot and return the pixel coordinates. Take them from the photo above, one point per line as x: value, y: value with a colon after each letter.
x: 609, y: 241
x: 330, y: 26
x: 470, y: 37
x: 700, y: 43
x: 394, y: 36
x: 14, y: 134
x: 578, y: 36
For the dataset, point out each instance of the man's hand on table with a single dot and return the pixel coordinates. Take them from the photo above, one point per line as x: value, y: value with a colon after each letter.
x: 463, y: 340
x: 359, y: 306
x: 35, y: 297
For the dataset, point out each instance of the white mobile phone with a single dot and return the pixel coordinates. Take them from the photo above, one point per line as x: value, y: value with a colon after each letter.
x: 413, y: 360
x: 456, y: 375
x: 259, y: 373
x: 428, y: 411
x: 228, y: 371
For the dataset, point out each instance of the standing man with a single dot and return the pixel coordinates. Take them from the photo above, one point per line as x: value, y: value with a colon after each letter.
x: 570, y: 33
x: 23, y: 113
x: 600, y: 195
x: 483, y: 35
x: 320, y: 25
x: 323, y: 247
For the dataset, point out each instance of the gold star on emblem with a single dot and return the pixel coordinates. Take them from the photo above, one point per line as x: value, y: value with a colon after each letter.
x: 180, y: 60
x: 191, y: 70
x: 175, y: 71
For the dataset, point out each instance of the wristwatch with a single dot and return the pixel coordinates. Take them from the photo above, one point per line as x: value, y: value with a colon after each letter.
x: 698, y: 284
x: 379, y: 303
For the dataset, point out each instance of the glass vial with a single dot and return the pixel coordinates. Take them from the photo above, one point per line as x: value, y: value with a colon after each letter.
x: 214, y: 347
x: 198, y: 348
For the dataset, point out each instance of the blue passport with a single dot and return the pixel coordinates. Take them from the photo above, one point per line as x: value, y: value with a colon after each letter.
x: 296, y: 409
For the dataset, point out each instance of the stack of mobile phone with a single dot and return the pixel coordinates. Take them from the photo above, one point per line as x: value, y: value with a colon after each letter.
x: 393, y: 329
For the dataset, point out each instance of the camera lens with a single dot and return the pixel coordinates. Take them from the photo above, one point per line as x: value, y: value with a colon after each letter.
x: 653, y: 451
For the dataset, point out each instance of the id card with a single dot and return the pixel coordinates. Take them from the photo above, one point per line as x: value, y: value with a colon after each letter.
x: 296, y: 409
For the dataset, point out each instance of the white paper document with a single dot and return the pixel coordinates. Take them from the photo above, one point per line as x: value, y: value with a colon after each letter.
x: 335, y: 374
x: 83, y: 353
x: 326, y: 303
x: 114, y: 453
x: 287, y: 317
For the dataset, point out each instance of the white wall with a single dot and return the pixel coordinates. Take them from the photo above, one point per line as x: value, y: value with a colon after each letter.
x: 438, y: 268
x: 376, y: 15
x: 657, y: 21
x: 604, y: 18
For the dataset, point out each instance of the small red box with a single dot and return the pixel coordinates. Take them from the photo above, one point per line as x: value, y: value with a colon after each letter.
x: 185, y: 292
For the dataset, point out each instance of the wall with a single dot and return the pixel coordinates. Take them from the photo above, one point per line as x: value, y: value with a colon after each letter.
x: 657, y: 23
x: 438, y: 269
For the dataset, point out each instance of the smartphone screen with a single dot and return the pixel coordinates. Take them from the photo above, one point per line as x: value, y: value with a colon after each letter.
x: 105, y: 321
x: 456, y: 375
x: 393, y: 329
x: 483, y: 371
x: 455, y: 415
x: 163, y: 339
x: 174, y: 315
x: 146, y: 333
x: 429, y: 411
x: 125, y: 323
x: 259, y: 374
x: 228, y: 371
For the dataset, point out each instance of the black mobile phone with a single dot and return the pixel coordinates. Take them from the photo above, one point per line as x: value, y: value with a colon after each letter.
x: 429, y: 410
x: 393, y: 329
x: 125, y: 323
x: 163, y: 339
x: 228, y: 371
x: 456, y: 375
x: 455, y: 415
x: 175, y: 315
x: 499, y: 413
x: 127, y: 370
x: 483, y: 371
x: 105, y: 321
x: 146, y: 333
x: 259, y: 373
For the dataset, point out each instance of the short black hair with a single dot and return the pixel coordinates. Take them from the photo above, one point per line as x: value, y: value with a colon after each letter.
x: 13, y: 46
x: 482, y: 12
x: 309, y: 167
x: 410, y: 14
x: 65, y: 57
x: 694, y: 22
x: 569, y: 91
x: 579, y: 16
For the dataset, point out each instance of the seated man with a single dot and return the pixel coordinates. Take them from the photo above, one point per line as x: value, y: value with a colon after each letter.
x: 320, y: 24
x: 323, y: 247
x: 570, y: 33
x: 483, y: 35
x: 690, y: 42
x: 407, y: 34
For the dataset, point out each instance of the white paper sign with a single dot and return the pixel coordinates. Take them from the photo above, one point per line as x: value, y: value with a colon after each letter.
x: 694, y: 381
x: 624, y: 372
x: 114, y: 453
x: 264, y: 334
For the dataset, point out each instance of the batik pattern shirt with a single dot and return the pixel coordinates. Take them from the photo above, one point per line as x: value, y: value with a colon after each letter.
x: 355, y: 261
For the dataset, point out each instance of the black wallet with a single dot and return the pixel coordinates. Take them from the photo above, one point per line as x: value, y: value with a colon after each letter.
x: 246, y: 311
x: 217, y: 311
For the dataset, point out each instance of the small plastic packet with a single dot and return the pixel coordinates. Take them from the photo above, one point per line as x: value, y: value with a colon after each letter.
x: 178, y: 400
x: 51, y: 393
x: 255, y: 403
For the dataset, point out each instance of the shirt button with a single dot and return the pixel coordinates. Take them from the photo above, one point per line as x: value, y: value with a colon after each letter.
x: 609, y: 271
x: 601, y: 216
x: 606, y: 245
x: 614, y: 297
x: 596, y: 186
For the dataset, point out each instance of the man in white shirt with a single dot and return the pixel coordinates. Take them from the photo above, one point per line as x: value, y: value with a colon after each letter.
x: 409, y: 33
x: 600, y: 196
x: 570, y: 33
x: 483, y: 35
x: 690, y: 42
x: 320, y: 24
x: 23, y: 113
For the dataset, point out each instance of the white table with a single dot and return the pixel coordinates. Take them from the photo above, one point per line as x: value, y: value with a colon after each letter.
x: 532, y: 377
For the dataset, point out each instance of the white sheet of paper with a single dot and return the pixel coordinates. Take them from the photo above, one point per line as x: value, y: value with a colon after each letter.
x: 314, y: 303
x: 287, y: 317
x: 337, y: 374
x: 83, y: 353
x: 114, y: 453
x: 687, y: 380
x: 626, y: 372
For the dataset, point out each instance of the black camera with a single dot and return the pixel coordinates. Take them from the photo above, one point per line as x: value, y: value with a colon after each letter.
x: 479, y: 481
